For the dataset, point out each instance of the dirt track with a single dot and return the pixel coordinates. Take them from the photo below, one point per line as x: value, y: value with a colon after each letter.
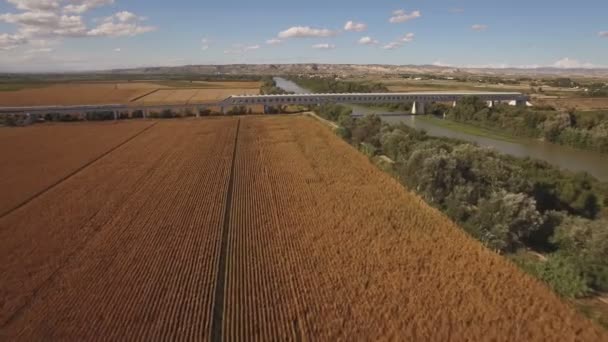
x: 305, y: 238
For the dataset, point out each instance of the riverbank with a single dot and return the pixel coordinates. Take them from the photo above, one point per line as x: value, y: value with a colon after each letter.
x: 468, y: 129
x: 530, y: 212
x: 563, y: 157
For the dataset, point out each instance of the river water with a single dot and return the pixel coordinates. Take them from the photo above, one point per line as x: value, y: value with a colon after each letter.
x: 564, y: 157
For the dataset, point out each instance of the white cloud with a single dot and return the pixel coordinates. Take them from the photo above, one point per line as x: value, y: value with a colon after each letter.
x: 117, y: 50
x: 9, y: 41
x: 392, y: 46
x: 251, y: 47
x: 603, y: 34
x: 121, y: 24
x: 356, y: 27
x: 479, y: 27
x: 114, y: 29
x: 239, y: 49
x: 274, y: 41
x: 305, y: 32
x: 567, y: 63
x: 324, y: 46
x: 41, y: 50
x: 45, y: 24
x: 52, y: 20
x: 401, y: 16
x: 368, y: 41
x: 407, y: 38
x: 35, y: 5
x: 441, y: 64
x: 564, y: 63
x: 125, y: 16
x: 81, y: 6
x: 205, y: 44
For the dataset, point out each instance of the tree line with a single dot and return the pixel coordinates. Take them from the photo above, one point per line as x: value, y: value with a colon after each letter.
x: 509, y: 204
x: 333, y: 85
x: 269, y: 87
x: 583, y: 130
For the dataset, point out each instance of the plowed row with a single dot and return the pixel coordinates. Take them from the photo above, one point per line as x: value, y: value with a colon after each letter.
x: 255, y: 228
x: 77, y: 94
x: 185, y: 96
x: 325, y: 246
x: 36, y: 157
x: 126, y: 248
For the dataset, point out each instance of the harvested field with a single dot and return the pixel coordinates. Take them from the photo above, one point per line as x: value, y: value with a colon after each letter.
x: 76, y: 94
x: 185, y: 96
x: 264, y: 228
x: 161, y: 92
x: 579, y: 103
x: 39, y: 156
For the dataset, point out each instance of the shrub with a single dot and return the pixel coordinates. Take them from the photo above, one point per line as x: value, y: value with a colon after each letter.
x: 560, y: 272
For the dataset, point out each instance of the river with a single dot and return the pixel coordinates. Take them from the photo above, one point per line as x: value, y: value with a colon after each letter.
x: 564, y: 157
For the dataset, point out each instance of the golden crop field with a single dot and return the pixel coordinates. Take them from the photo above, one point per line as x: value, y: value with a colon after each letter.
x: 161, y: 92
x: 76, y: 94
x: 252, y: 228
x: 184, y: 96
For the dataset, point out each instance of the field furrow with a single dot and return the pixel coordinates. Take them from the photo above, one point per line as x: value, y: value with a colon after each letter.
x: 29, y: 166
x: 325, y: 246
x: 254, y: 228
x: 162, y: 241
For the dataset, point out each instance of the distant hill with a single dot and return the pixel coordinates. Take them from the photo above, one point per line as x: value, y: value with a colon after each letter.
x: 355, y: 69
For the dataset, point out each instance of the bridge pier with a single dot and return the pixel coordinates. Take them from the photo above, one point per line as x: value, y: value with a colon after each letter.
x: 418, y: 108
x: 115, y: 115
x: 454, y: 104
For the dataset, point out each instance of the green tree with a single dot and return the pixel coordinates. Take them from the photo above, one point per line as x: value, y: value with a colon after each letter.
x: 504, y: 220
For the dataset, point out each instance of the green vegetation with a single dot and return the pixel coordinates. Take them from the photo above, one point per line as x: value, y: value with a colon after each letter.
x: 587, y: 131
x: 507, y: 203
x: 597, y: 90
x: 333, y: 85
x: 269, y: 87
x: 468, y: 129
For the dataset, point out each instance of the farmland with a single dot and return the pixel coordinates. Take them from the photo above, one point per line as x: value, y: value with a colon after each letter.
x: 34, y: 159
x: 120, y: 92
x: 185, y: 96
x: 264, y: 228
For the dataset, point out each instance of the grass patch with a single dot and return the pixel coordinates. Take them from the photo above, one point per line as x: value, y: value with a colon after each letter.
x: 21, y: 86
x: 468, y: 129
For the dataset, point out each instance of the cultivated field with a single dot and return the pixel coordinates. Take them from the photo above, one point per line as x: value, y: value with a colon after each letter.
x: 161, y: 92
x: 39, y: 156
x: 579, y: 103
x: 185, y: 96
x: 76, y: 94
x: 264, y: 228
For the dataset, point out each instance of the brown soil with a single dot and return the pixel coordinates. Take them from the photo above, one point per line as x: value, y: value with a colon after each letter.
x: 37, y: 157
x: 579, y: 103
x: 317, y: 244
x: 184, y: 96
x: 123, y: 93
x: 76, y: 94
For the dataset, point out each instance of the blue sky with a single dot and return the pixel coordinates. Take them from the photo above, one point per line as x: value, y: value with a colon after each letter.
x: 57, y: 35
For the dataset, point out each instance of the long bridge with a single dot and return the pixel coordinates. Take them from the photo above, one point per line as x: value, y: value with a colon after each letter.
x: 419, y: 100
